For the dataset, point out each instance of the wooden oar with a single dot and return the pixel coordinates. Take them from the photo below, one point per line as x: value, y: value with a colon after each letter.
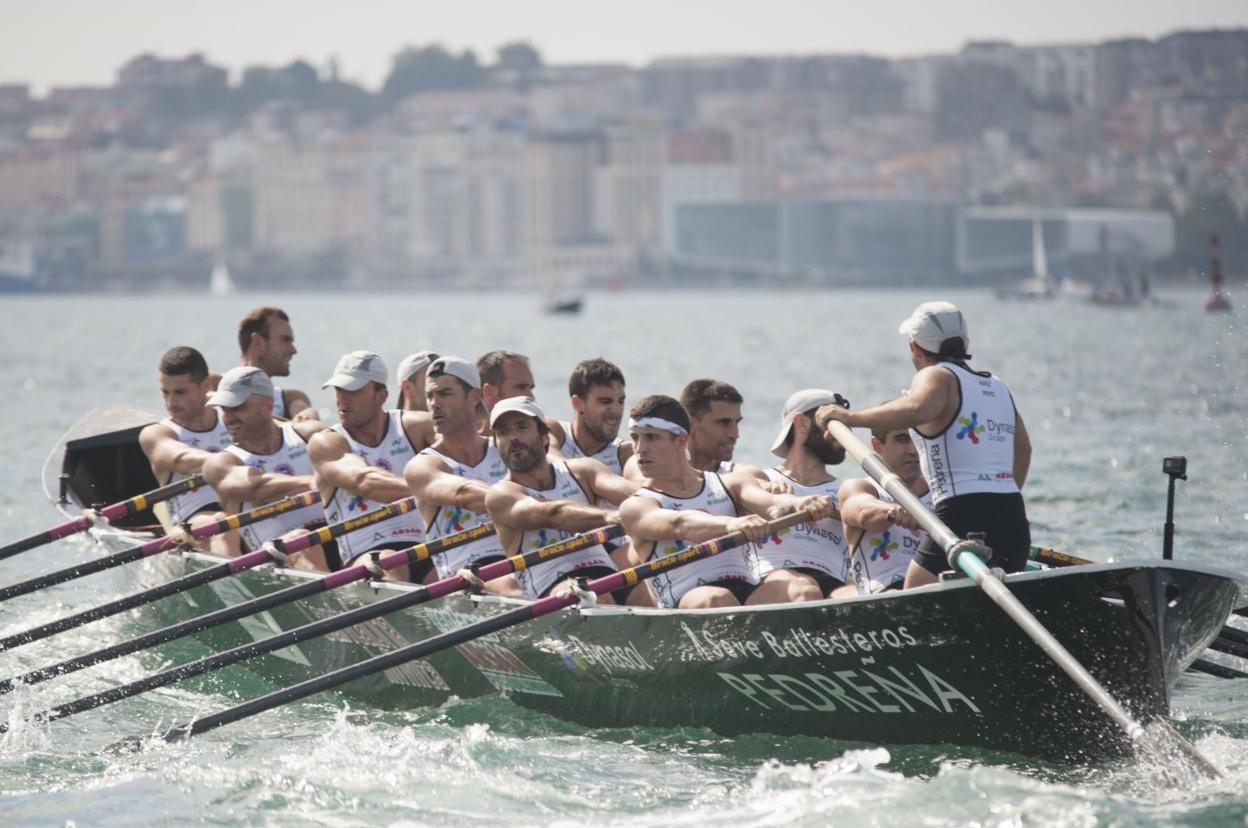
x: 537, y: 609
x: 274, y: 550
x: 115, y: 511
x: 965, y: 556
x: 1231, y: 640
x: 409, y: 598
x: 158, y: 545
x: 389, y: 560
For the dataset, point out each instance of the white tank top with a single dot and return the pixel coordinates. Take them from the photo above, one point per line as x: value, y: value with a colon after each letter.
x: 451, y: 520
x: 821, y: 548
x: 975, y: 452
x: 608, y: 455
x: 536, y: 580
x: 213, y: 440
x: 291, y: 458
x: 391, y: 454
x: 735, y: 564
x: 879, y: 560
x: 279, y: 403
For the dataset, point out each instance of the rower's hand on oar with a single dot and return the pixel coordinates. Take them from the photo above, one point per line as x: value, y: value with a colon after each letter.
x: 180, y: 536
x: 613, y: 518
x: 778, y: 487
x: 900, y: 517
x: 819, y: 507
x: 825, y: 414
x: 753, y: 527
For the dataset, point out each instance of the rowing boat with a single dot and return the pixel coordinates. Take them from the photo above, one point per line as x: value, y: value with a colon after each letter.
x: 934, y: 665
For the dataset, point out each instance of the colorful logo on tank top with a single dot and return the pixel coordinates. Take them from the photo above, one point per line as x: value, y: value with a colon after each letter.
x: 357, y: 502
x: 455, y: 520
x: 541, y: 539
x: 285, y: 468
x: 970, y: 428
x: 776, y: 537
x: 880, y: 550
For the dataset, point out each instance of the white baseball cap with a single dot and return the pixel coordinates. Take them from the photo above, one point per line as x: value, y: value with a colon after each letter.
x: 934, y: 322
x: 522, y: 405
x: 237, y: 384
x: 355, y: 370
x: 413, y: 363
x: 800, y: 402
x: 453, y: 366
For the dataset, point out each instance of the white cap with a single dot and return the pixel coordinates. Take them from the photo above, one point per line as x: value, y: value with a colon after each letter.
x: 355, y: 370
x: 461, y: 369
x: 934, y: 322
x: 413, y: 363
x: 800, y: 402
x: 523, y: 405
x: 237, y: 384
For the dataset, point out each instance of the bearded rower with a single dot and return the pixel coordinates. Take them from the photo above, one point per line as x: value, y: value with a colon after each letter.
x: 806, y: 562
x: 679, y: 505
x: 266, y: 462
x: 596, y: 388
x: 359, y: 462
x: 544, y: 500
x: 267, y: 342
x: 883, y: 537
x: 178, y: 446
x: 451, y: 478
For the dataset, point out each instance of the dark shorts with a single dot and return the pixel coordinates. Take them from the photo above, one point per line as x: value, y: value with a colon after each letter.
x: 825, y: 581
x: 1001, y: 517
x: 589, y: 573
x: 739, y: 589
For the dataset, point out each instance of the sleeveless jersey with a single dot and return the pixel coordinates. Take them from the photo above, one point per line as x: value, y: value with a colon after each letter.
x: 451, y: 520
x: 279, y: 403
x: 537, y: 580
x: 975, y: 452
x: 608, y: 455
x: 391, y: 454
x: 821, y: 548
x: 734, y: 564
x: 291, y: 458
x: 182, y: 507
x: 879, y: 560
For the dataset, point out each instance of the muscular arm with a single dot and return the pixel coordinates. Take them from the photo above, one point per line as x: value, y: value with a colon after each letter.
x: 1022, y: 450
x: 418, y: 425
x: 236, y: 482
x: 337, y: 467
x: 433, y: 485
x: 862, y: 509
x: 600, y: 482
x: 168, y: 454
x: 928, y: 399
x: 646, y: 521
x: 299, y: 407
x: 745, y: 487
x: 509, y: 505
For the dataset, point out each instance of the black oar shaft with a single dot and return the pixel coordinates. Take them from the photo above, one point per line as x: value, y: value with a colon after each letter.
x: 261, y: 603
x: 114, y: 511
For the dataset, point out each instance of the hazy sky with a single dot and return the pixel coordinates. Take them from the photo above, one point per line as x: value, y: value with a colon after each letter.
x: 61, y: 42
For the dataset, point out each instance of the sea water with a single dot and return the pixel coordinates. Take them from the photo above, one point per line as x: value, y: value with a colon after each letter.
x: 1106, y: 394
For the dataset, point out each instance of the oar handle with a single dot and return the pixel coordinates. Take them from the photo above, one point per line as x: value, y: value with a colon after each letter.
x: 325, y: 534
x: 113, y: 511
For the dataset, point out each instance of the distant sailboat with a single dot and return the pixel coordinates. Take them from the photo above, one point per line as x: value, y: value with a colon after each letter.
x: 220, y: 284
x: 1038, y: 286
x: 1218, y: 302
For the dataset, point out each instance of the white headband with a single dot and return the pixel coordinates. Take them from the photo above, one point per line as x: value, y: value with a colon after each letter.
x: 659, y: 423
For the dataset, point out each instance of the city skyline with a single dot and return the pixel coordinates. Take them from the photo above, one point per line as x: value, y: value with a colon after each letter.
x: 37, y: 47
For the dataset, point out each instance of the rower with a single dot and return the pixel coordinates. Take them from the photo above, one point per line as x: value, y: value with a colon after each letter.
x: 882, y: 536
x: 411, y: 380
x: 267, y: 342
x: 503, y: 374
x: 680, y: 505
x: 178, y: 446
x: 451, y: 478
x: 359, y: 462
x: 543, y: 500
x: 973, y: 447
x: 807, y: 562
x: 266, y: 462
x: 596, y: 388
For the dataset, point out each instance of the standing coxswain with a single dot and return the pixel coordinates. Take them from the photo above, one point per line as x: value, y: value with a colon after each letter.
x: 178, y: 446
x: 883, y: 537
x: 266, y: 462
x: 267, y: 342
x: 359, y: 462
x: 807, y: 561
x: 679, y: 505
x: 596, y: 389
x: 973, y: 447
x: 451, y: 478
x: 545, y: 499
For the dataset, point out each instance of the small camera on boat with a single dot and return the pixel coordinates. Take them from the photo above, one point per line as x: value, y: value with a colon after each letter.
x: 1175, y: 466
